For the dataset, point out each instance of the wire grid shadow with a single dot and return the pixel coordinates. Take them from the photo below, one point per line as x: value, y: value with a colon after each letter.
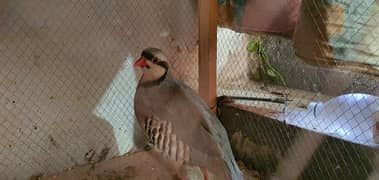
x: 66, y: 77
x: 324, y: 126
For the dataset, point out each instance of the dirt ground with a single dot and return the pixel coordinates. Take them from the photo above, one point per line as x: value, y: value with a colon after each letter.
x: 149, y: 165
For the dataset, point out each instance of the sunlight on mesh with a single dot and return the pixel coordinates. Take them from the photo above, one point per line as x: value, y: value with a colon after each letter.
x: 117, y: 102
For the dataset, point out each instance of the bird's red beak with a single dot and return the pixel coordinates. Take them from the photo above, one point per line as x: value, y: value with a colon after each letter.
x: 141, y: 62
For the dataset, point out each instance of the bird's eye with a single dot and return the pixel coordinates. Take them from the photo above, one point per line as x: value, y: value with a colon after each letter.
x: 155, y: 60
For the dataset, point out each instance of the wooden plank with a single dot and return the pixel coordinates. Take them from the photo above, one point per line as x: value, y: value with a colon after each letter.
x: 207, y: 50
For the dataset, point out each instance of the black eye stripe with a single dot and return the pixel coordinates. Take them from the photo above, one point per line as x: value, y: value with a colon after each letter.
x: 147, y: 55
x: 155, y: 59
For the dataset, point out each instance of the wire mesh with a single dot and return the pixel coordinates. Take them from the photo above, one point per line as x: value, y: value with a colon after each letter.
x: 66, y: 77
x: 326, y: 126
x: 67, y: 87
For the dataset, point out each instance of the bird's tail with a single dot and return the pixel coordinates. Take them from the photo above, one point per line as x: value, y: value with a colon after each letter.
x: 221, y: 137
x: 231, y: 163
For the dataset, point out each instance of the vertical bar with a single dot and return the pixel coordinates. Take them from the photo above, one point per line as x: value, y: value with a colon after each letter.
x: 207, y: 51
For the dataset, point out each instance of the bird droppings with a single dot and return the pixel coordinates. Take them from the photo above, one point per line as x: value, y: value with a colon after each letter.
x: 52, y: 141
x: 89, y: 155
x: 103, y: 154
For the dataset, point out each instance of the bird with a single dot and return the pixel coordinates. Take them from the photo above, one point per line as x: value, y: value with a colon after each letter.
x: 180, y: 116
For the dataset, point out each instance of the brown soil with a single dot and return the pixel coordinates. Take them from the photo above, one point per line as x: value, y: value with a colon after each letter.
x: 147, y: 165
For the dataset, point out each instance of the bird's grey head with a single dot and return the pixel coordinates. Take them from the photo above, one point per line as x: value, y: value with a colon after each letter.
x: 154, y: 65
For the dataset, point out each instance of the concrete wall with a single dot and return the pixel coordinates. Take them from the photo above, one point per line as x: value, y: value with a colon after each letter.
x: 234, y: 60
x: 66, y: 80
